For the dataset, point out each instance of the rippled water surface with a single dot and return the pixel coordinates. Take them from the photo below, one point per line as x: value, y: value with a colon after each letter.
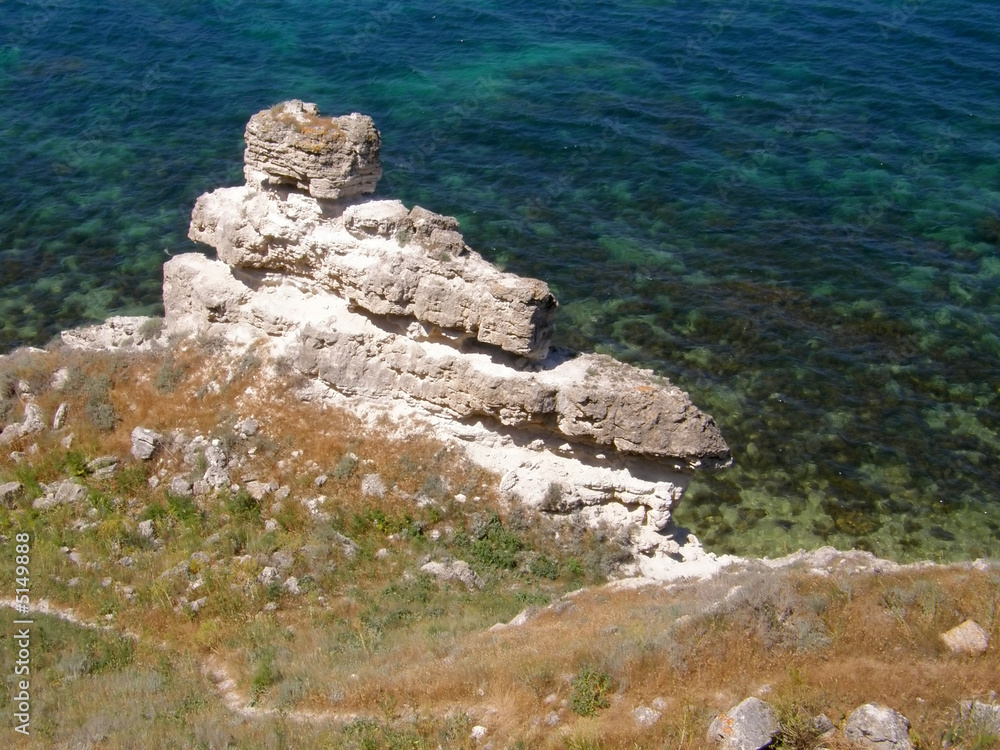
x: 790, y: 208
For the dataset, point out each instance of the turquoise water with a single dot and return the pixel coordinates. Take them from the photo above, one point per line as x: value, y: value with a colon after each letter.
x: 792, y: 209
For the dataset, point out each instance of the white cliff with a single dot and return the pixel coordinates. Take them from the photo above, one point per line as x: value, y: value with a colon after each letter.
x: 384, y: 306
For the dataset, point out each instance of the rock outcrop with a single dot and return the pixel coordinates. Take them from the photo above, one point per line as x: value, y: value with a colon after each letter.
x: 378, y: 301
x: 328, y: 157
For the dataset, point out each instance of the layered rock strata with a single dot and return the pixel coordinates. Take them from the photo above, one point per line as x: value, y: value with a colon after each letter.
x: 378, y: 301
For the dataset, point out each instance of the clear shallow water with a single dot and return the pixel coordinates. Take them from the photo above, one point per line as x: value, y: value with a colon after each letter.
x: 792, y: 209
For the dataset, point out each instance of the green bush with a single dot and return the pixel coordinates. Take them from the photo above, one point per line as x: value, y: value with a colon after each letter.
x: 494, y: 545
x: 590, y: 691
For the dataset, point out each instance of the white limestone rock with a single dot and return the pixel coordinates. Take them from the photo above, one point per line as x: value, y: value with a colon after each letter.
x: 119, y: 331
x: 967, y: 638
x: 291, y: 144
x: 876, y: 726
x: 457, y: 570
x: 751, y: 725
x: 587, y: 397
x: 62, y: 493
x: 145, y: 442
x: 424, y: 271
x: 31, y: 422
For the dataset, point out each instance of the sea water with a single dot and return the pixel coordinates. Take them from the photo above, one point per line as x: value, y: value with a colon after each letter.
x: 791, y: 208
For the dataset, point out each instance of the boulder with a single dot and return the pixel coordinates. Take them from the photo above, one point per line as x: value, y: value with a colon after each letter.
x: 876, y: 726
x: 967, y: 638
x: 751, y: 725
x: 382, y: 306
x: 291, y: 144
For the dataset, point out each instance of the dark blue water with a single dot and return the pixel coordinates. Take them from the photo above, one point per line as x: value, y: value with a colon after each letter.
x: 792, y: 209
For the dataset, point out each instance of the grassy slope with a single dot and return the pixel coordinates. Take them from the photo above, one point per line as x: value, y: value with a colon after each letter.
x: 374, y: 653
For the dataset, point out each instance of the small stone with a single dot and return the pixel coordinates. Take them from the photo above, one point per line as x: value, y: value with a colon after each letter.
x: 347, y: 545
x: 270, y: 525
x: 145, y: 442
x: 282, y: 560
x: 459, y: 570
x: 372, y: 486
x: 551, y: 719
x: 382, y: 553
x: 247, y: 427
x: 967, y: 638
x: 822, y: 725
x: 60, y: 377
x: 645, y: 717
x: 478, y: 732
x: 268, y: 576
x: 63, y: 493
x: 10, y: 493
x: 983, y: 715
x: 103, y: 466
x: 320, y: 480
x: 33, y: 420
x: 197, y: 604
x: 291, y: 585
x: 270, y: 607
x: 60, y: 416
x: 259, y: 490
x: 181, y: 487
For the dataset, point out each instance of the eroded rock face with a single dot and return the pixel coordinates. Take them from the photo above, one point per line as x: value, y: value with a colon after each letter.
x: 382, y: 258
x: 589, y: 398
x: 328, y: 157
